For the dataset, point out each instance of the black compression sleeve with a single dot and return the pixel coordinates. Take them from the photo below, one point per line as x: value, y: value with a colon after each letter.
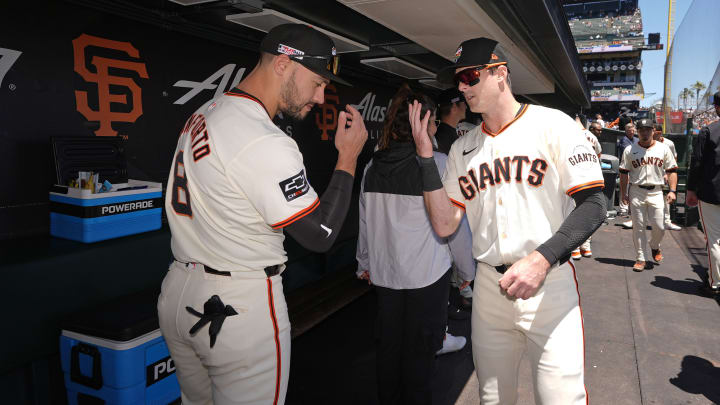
x: 430, y: 174
x: 585, y: 219
x: 317, y: 231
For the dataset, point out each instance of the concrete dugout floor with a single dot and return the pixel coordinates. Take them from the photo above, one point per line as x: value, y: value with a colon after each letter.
x: 651, y: 337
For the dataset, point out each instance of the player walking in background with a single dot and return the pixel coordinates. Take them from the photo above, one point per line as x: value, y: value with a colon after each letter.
x: 703, y: 190
x: 585, y: 249
x: 644, y: 165
x: 506, y: 176
x: 237, y: 181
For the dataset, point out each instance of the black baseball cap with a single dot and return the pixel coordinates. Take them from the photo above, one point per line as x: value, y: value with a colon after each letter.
x: 716, y: 98
x: 450, y: 96
x: 645, y: 123
x: 306, y: 46
x: 473, y: 52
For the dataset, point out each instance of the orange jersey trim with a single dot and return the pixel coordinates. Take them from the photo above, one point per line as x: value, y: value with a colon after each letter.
x: 273, y: 318
x: 242, y: 94
x: 522, y: 111
x: 297, y: 216
x: 585, y: 186
x: 458, y: 204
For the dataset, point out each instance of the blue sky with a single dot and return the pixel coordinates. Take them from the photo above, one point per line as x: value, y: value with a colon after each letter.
x: 655, y: 16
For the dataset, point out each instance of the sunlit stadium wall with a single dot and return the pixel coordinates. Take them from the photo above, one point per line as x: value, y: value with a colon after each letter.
x: 695, y: 57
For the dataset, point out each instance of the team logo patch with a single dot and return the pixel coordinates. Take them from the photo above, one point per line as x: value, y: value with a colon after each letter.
x: 290, y: 51
x: 493, y: 57
x: 457, y: 54
x: 294, y: 187
x: 583, y: 157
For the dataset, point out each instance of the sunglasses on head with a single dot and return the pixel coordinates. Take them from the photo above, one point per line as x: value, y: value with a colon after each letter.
x: 333, y: 62
x: 471, y: 76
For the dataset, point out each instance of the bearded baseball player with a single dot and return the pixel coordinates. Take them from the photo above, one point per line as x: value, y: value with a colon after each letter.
x: 643, y: 165
x: 236, y: 182
x: 509, y: 176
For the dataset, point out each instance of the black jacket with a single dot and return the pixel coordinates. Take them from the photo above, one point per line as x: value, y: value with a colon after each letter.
x: 445, y: 137
x: 704, y: 175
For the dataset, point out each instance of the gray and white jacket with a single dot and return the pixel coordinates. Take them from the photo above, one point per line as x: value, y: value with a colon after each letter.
x: 396, y: 242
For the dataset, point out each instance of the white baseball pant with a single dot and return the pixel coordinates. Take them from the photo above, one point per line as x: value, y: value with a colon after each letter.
x: 666, y: 211
x: 548, y: 326
x: 250, y: 361
x: 710, y: 217
x: 646, y: 208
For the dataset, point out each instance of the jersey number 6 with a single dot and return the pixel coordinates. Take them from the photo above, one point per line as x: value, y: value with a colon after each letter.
x: 180, y: 194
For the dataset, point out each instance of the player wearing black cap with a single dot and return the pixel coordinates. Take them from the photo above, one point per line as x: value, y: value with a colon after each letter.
x: 236, y: 182
x: 451, y: 110
x: 512, y: 178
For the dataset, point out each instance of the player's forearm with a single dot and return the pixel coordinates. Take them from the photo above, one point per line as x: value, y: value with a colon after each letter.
x: 318, y: 230
x: 444, y: 216
x: 346, y: 163
x: 672, y: 180
x: 623, y: 185
x: 586, y: 218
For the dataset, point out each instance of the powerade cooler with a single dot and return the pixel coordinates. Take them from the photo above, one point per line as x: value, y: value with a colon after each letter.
x: 80, y: 215
x: 115, y: 355
x: 86, y: 217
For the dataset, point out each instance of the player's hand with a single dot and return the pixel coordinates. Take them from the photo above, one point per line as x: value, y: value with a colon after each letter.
x: 365, y: 275
x: 351, y: 134
x: 523, y: 278
x: 691, y: 199
x: 670, y: 197
x: 419, y: 126
x: 626, y: 200
x: 464, y: 285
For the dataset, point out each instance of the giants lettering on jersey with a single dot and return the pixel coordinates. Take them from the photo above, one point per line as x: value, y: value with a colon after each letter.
x: 648, y: 161
x: 501, y: 170
x: 583, y: 157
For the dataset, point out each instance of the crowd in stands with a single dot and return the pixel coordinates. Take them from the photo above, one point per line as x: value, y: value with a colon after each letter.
x: 704, y: 118
x: 596, y: 28
x: 605, y: 92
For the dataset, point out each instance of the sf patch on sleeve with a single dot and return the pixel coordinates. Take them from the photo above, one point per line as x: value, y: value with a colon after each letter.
x: 294, y: 187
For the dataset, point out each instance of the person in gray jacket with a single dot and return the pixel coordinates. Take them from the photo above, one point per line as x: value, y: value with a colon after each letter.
x: 400, y: 254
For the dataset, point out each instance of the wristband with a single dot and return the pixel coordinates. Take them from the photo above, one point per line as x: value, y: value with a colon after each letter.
x: 430, y: 175
x: 673, y: 191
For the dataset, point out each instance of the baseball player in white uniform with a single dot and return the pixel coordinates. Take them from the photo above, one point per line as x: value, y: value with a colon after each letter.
x: 236, y: 182
x: 585, y: 249
x: 509, y: 175
x: 657, y: 135
x: 644, y: 165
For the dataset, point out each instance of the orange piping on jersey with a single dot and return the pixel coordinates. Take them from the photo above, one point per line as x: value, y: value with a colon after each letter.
x: 484, y: 128
x: 458, y: 204
x: 278, y: 363
x: 585, y: 186
x: 248, y: 96
x: 297, y: 216
x: 582, y: 324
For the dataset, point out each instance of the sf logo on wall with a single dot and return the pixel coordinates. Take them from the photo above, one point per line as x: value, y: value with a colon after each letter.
x: 111, y: 107
x: 326, y: 119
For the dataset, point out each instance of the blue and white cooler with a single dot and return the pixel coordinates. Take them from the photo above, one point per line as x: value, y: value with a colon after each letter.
x: 115, y: 355
x: 80, y: 215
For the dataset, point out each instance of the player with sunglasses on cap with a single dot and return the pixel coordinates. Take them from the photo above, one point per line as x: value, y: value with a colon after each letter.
x: 236, y: 183
x: 514, y: 176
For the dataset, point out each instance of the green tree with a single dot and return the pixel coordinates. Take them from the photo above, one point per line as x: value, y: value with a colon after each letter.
x: 698, y: 86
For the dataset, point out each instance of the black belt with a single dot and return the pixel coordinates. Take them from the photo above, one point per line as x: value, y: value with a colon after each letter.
x: 646, y: 187
x: 269, y: 271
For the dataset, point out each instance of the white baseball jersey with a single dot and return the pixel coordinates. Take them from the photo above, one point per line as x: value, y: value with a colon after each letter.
x: 670, y: 144
x: 514, y: 184
x: 235, y: 182
x: 464, y: 127
x: 593, y: 141
x: 646, y: 166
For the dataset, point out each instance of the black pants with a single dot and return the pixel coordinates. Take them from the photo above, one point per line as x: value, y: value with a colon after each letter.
x: 410, y: 330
